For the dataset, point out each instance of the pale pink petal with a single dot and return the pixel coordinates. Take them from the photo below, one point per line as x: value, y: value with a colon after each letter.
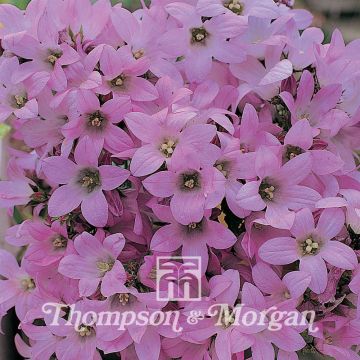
x: 280, y: 71
x: 161, y: 184
x: 94, y: 208
x: 315, y: 266
x: 167, y: 239
x: 330, y: 223
x: 266, y: 279
x: 279, y: 216
x: 59, y: 169
x: 8, y: 264
x: 219, y: 236
x: 65, y: 199
x: 249, y: 198
x: 188, y: 207
x: 142, y: 90
x: 339, y: 255
x: 297, y: 282
x: 304, y: 223
x: 146, y: 160
x: 112, y: 176
x: 279, y: 251
x: 86, y: 152
x: 325, y: 162
x: 300, y: 134
x: 296, y: 170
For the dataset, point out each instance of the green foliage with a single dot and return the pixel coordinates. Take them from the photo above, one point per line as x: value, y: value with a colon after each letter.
x: 19, y: 3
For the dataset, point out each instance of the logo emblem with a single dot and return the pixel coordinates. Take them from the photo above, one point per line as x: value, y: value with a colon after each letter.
x: 178, y: 278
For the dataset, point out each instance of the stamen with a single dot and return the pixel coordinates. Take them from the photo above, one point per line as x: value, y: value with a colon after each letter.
x: 266, y: 190
x: 84, y: 330
x: 138, y: 54
x: 198, y: 35
x: 227, y: 318
x: 222, y: 167
x: 20, y: 100
x: 194, y: 227
x: 292, y: 151
x: 96, y: 120
x: 54, y: 56
x: 309, y: 246
x: 190, y: 181
x: 124, y: 299
x: 60, y: 242
x: 119, y: 81
x: 168, y: 147
x: 89, y: 179
x: 28, y: 284
x: 235, y: 6
x: 105, y: 266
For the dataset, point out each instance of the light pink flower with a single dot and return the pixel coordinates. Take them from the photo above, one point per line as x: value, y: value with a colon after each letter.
x: 83, y: 183
x: 95, y: 263
x: 312, y: 246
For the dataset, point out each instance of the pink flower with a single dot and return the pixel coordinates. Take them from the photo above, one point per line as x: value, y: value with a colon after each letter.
x: 309, y: 106
x: 291, y: 286
x: 46, y: 54
x: 17, y: 99
x: 96, y: 263
x: 47, y: 244
x: 193, y: 238
x: 263, y: 80
x: 312, y: 246
x: 122, y: 74
x: 84, y: 183
x: 277, y: 188
x: 192, y: 190
x: 17, y: 288
x: 166, y: 140
x: 98, y: 122
x: 199, y: 41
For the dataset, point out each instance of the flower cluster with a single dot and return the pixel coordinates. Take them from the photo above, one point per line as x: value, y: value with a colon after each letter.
x: 222, y: 129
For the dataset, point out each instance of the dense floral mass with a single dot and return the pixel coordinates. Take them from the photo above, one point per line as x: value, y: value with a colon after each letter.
x: 223, y: 129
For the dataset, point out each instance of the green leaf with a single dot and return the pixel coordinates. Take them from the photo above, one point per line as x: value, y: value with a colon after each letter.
x: 17, y: 216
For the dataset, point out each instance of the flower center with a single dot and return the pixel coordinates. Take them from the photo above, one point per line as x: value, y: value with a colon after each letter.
x: 20, y: 101
x: 223, y: 168
x: 60, y: 242
x: 119, y: 81
x: 54, y: 56
x: 168, y: 147
x: 287, y: 295
x: 292, y: 151
x: 84, y: 330
x: 235, y: 6
x: 138, y: 54
x: 89, y: 179
x: 227, y: 317
x: 124, y: 298
x: 28, y: 284
x: 266, y: 190
x: 190, y: 181
x: 198, y: 35
x: 195, y: 226
x: 153, y: 273
x: 105, y: 266
x: 309, y: 246
x: 96, y: 120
